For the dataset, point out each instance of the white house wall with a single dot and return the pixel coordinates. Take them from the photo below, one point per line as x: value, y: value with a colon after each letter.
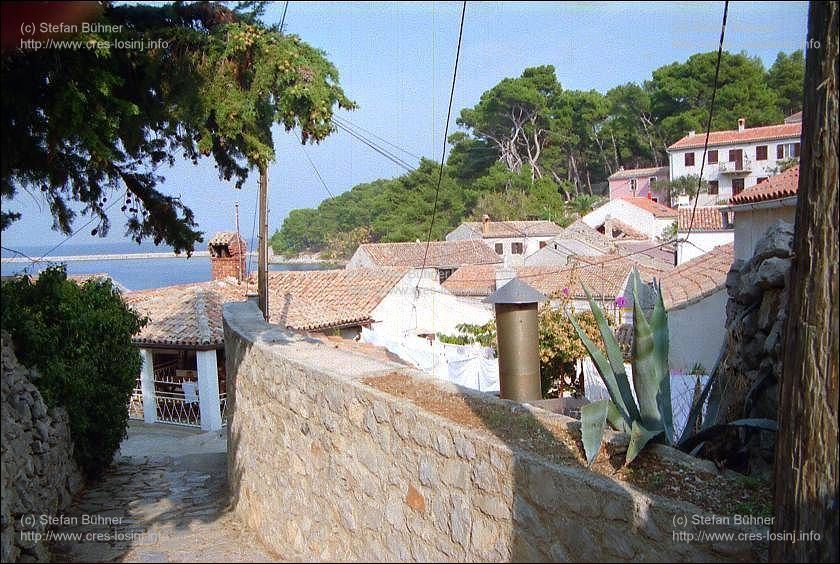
x: 712, y: 171
x: 751, y: 225
x: 360, y: 259
x: 622, y: 210
x: 696, y: 332
x: 705, y: 240
x: 432, y: 309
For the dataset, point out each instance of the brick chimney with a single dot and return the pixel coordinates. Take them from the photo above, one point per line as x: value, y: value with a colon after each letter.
x: 227, y: 256
x: 485, y: 225
x: 742, y: 123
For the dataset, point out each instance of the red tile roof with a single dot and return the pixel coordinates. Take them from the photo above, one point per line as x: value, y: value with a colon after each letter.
x: 709, y: 218
x: 515, y: 228
x: 627, y: 232
x: 697, y: 278
x: 442, y: 254
x: 320, y: 299
x: 184, y: 315
x: 636, y: 172
x: 657, y: 209
x: 780, y: 186
x: 748, y: 135
x: 605, y: 276
x: 191, y: 314
x: 224, y: 238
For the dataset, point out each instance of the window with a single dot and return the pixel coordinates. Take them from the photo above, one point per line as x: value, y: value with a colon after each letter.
x: 543, y: 244
x: 713, y: 157
x: 633, y: 185
x: 500, y: 249
x: 734, y: 155
x: 761, y: 153
x: 760, y: 179
x: 713, y: 187
x: 445, y: 273
x: 516, y: 248
x: 689, y: 159
x: 737, y: 186
x: 787, y: 151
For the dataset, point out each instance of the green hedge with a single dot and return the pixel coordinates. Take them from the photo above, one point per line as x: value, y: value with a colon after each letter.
x: 78, y: 336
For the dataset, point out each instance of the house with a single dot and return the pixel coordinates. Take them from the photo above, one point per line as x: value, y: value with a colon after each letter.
x: 606, y: 277
x: 712, y: 226
x: 182, y: 346
x: 510, y: 240
x: 762, y: 205
x: 736, y: 159
x: 794, y: 118
x: 578, y: 239
x: 638, y: 182
x: 444, y: 256
x: 633, y: 218
x: 695, y: 298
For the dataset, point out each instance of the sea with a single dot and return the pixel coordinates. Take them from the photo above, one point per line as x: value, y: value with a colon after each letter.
x: 132, y: 273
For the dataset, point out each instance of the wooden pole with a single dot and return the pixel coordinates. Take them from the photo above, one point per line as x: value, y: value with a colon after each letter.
x: 806, y: 469
x: 262, y: 266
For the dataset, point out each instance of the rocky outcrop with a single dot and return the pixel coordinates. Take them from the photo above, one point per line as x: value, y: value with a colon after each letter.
x: 39, y: 475
x: 752, y: 368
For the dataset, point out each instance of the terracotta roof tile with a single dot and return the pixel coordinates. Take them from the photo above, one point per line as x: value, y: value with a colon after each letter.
x: 748, y: 135
x: 698, y: 277
x: 442, y: 254
x: 191, y: 314
x: 224, y: 238
x: 657, y: 209
x: 780, y: 186
x: 604, y: 276
x: 708, y: 218
x: 515, y: 228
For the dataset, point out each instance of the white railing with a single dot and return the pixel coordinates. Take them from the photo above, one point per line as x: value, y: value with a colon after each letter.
x: 733, y: 167
x: 172, y: 407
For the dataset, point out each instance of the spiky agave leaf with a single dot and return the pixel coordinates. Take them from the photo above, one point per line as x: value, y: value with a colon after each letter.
x: 659, y: 326
x: 604, y: 369
x: 616, y: 357
x: 646, y: 373
x: 593, y: 418
x: 614, y: 418
x: 639, y: 437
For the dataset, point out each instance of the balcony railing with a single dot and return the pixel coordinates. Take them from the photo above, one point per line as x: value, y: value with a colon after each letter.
x: 744, y: 166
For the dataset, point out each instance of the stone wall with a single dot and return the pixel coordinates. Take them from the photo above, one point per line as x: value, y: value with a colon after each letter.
x: 39, y: 475
x: 755, y: 315
x: 324, y: 467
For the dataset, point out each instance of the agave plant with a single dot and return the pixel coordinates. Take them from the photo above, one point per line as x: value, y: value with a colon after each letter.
x: 646, y: 416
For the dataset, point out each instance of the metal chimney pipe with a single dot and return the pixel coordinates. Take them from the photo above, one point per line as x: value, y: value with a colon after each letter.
x: 517, y: 332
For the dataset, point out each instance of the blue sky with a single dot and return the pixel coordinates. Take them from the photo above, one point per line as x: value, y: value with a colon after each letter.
x: 395, y: 60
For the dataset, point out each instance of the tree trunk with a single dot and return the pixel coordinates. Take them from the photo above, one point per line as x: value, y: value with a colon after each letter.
x: 806, y: 498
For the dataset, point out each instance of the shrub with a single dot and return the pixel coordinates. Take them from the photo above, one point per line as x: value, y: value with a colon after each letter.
x: 79, y: 339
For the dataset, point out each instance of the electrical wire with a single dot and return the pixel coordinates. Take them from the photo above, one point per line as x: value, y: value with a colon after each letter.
x: 445, y: 132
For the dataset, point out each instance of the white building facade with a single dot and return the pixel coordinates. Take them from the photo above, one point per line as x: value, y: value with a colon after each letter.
x: 736, y: 159
x: 645, y: 216
x: 512, y: 241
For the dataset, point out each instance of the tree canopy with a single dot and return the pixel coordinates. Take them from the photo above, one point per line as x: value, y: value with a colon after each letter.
x: 82, y: 125
x: 530, y: 149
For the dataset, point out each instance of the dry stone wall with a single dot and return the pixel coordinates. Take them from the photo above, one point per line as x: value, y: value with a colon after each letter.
x: 39, y: 475
x: 324, y: 467
x: 752, y: 368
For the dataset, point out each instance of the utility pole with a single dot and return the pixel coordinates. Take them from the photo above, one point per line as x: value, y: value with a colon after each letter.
x: 262, y: 265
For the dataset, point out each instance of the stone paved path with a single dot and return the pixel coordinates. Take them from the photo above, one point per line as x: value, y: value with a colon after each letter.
x: 165, y: 500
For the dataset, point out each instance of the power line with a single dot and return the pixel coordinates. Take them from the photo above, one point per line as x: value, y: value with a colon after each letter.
x: 709, y: 122
x: 445, y: 132
x: 317, y: 172
x: 77, y: 231
x: 384, y: 152
x: 283, y: 18
x: 394, y: 145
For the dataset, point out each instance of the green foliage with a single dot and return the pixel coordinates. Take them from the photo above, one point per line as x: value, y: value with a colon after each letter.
x: 82, y: 124
x: 681, y: 92
x: 787, y: 78
x: 79, y: 339
x: 683, y: 186
x: 529, y: 149
x: 468, y: 334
